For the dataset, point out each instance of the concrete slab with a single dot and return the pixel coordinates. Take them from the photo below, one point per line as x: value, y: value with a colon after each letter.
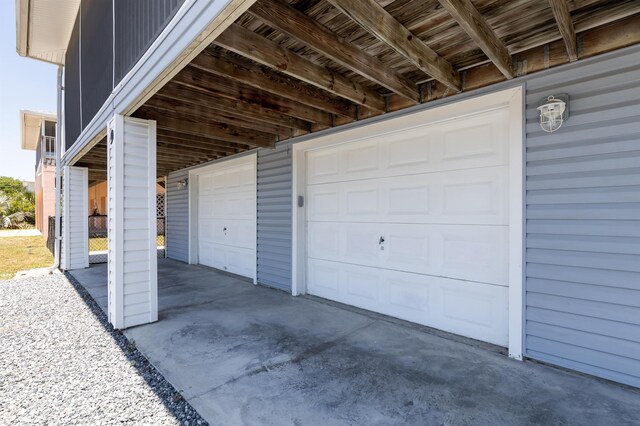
x: 245, y: 354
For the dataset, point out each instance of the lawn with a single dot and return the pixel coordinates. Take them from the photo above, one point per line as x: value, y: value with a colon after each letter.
x: 100, y: 244
x: 19, y: 253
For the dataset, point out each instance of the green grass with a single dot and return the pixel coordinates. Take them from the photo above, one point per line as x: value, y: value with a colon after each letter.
x: 100, y: 244
x: 20, y: 253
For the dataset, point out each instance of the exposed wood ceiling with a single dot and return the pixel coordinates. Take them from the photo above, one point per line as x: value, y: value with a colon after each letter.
x: 291, y: 67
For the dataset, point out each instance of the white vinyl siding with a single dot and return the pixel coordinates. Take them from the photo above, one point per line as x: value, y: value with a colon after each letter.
x: 132, y: 223
x: 75, y: 250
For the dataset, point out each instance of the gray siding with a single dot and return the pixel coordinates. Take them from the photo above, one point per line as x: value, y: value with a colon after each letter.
x: 274, y: 217
x: 138, y: 23
x: 177, y: 217
x: 583, y: 221
x: 72, y: 110
x: 97, y: 57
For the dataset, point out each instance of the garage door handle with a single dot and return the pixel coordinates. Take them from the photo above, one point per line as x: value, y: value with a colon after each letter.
x: 381, y: 241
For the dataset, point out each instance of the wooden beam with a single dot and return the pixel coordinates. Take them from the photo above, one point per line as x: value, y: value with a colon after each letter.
x: 190, y: 117
x: 474, y: 24
x: 257, y: 48
x: 231, y: 106
x: 166, y: 157
x: 219, y: 131
x: 167, y: 146
x: 252, y: 74
x: 279, y: 15
x: 225, y: 87
x: 611, y: 37
x: 560, y: 10
x: 374, y: 19
x: 199, y: 142
x: 206, y: 114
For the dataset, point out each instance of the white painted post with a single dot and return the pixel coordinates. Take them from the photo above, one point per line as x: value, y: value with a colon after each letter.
x: 75, y: 230
x: 131, y: 191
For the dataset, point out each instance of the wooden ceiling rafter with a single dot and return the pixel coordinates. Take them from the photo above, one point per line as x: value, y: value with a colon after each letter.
x: 283, y: 17
x: 253, y: 74
x: 205, y: 114
x: 217, y: 86
x: 196, y: 141
x: 227, y: 105
x: 560, y: 10
x: 476, y: 27
x: 377, y: 21
x: 263, y: 51
x: 186, y: 124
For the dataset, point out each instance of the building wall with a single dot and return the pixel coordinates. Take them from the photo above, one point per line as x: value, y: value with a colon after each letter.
x: 274, y: 217
x: 582, y: 261
x: 583, y: 221
x: 38, y: 192
x: 98, y: 57
x: 177, y: 238
x: 48, y: 179
x: 138, y: 23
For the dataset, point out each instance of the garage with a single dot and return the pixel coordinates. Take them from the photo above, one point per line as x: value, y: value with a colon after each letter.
x: 225, y: 228
x: 412, y: 218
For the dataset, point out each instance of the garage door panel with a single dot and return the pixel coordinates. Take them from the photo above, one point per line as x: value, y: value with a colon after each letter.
x: 481, y: 139
x: 227, y: 218
x: 469, y: 309
x: 231, y: 232
x: 474, y: 253
x: 476, y: 196
x: 415, y: 224
x: 230, y: 204
x: 477, y: 141
x: 240, y: 261
x: 469, y: 252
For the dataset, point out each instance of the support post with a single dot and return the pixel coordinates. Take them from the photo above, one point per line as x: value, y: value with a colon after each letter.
x: 131, y: 192
x: 75, y: 237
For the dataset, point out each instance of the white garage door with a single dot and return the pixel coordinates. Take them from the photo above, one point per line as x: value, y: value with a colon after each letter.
x: 227, y: 217
x: 415, y: 224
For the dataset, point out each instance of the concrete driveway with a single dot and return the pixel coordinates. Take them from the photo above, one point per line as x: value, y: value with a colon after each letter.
x: 245, y: 354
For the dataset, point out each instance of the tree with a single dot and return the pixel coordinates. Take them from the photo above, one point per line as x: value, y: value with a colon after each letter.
x: 10, y: 186
x: 15, y: 198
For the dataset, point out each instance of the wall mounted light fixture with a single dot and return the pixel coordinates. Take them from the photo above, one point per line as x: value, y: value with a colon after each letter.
x: 554, y: 110
x: 181, y: 184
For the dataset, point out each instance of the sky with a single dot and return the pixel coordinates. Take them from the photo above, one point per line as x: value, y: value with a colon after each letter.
x: 24, y: 84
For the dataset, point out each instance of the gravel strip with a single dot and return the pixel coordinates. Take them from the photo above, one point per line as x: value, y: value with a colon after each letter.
x: 62, y: 363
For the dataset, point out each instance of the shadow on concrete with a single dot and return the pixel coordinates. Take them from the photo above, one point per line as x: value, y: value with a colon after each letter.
x: 170, y: 397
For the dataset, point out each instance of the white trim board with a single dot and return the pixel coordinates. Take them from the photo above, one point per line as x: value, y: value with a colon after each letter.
x: 512, y: 99
x: 194, y: 186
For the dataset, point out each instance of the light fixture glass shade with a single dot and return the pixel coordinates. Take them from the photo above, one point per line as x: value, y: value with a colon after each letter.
x: 181, y: 184
x: 551, y: 114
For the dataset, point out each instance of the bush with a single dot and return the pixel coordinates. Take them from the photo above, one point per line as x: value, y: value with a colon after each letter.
x: 17, y: 204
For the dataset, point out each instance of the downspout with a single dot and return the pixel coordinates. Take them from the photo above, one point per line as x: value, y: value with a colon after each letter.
x: 58, y: 233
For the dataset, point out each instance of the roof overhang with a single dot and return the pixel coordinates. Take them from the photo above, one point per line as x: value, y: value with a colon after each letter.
x: 31, y: 127
x: 43, y: 28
